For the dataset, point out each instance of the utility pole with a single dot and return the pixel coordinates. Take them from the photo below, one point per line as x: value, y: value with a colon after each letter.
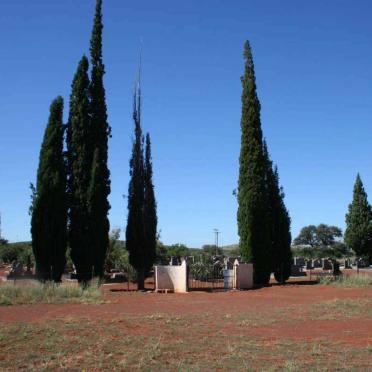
x: 216, y: 232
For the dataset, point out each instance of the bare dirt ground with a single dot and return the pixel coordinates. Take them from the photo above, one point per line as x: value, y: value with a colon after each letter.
x: 312, y: 326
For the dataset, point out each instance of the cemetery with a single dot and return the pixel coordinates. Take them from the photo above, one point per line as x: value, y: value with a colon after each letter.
x: 133, y: 130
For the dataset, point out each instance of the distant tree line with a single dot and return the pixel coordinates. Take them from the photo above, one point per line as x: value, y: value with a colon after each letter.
x: 322, y: 241
x: 326, y: 240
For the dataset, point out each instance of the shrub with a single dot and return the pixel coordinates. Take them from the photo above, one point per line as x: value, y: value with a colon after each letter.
x: 16, y: 252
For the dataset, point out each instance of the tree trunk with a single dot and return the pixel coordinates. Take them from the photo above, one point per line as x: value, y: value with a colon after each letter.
x: 141, y: 280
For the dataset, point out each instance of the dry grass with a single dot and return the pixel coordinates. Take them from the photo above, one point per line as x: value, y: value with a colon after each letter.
x: 361, y: 280
x: 86, y: 344
x: 50, y: 293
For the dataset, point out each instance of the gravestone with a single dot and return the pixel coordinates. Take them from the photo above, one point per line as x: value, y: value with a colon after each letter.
x: 174, y: 261
x: 16, y: 271
x: 317, y: 263
x: 336, y: 268
x: 361, y: 263
x: 347, y: 264
x: 299, y: 261
x: 327, y: 264
x: 297, y: 271
x: 229, y: 263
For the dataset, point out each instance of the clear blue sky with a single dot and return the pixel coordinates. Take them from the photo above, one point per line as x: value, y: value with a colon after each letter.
x: 314, y: 75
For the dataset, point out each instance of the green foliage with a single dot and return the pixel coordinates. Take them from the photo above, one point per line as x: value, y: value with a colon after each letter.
x: 79, y: 166
x: 16, y: 252
x: 49, y: 205
x: 116, y: 256
x: 337, y: 250
x: 165, y: 252
x: 50, y: 293
x: 149, y: 208
x: 358, y: 233
x: 99, y: 187
x: 231, y: 250
x: 135, y: 241
x: 318, y: 236
x: 280, y: 223
x: 320, y: 242
x: 142, y: 220
x: 3, y: 241
x: 202, y: 270
x: 212, y: 250
x: 253, y: 218
x: 179, y: 250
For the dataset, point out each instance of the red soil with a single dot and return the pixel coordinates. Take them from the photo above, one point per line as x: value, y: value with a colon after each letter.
x: 293, y: 299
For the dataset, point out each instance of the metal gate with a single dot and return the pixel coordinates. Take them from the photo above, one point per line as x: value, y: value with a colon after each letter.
x: 206, y: 276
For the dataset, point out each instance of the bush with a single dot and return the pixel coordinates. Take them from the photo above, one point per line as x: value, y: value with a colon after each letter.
x: 50, y: 293
x: 16, y: 252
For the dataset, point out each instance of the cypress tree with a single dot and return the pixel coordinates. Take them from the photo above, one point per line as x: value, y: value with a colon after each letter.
x: 280, y: 223
x: 149, y: 209
x: 135, y: 239
x: 99, y: 188
x: 79, y: 171
x: 358, y: 233
x: 49, y: 207
x: 253, y: 217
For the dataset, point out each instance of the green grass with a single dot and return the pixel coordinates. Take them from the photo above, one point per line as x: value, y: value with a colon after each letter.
x: 361, y: 280
x: 50, y: 293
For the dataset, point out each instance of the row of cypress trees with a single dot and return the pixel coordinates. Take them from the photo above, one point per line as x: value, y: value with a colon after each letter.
x: 74, y: 186
x: 263, y: 220
x: 358, y: 233
x: 70, y: 201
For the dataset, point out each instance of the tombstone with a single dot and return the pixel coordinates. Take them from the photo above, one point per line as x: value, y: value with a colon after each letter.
x: 16, y: 271
x: 336, y: 268
x: 347, y: 263
x: 28, y: 264
x: 174, y: 261
x: 317, y: 263
x: 327, y: 264
x: 361, y: 263
x: 295, y: 270
x: 299, y: 261
x: 229, y: 263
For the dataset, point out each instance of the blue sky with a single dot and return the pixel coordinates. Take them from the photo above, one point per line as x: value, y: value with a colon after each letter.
x: 314, y: 75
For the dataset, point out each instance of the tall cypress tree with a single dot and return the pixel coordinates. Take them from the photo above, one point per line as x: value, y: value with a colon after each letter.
x: 358, y: 233
x: 79, y: 170
x: 135, y: 238
x: 280, y: 223
x: 253, y: 217
x: 49, y: 208
x: 99, y: 188
x: 149, y: 208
